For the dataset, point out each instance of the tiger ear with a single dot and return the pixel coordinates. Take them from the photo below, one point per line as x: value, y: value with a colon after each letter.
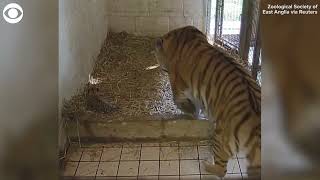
x: 159, y: 43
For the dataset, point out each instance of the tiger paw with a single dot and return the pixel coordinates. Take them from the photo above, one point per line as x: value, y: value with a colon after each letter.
x: 214, y: 169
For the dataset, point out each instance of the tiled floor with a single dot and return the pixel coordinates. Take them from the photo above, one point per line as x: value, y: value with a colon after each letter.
x: 146, y: 161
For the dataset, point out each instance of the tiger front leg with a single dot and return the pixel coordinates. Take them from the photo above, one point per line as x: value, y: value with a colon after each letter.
x: 219, y: 166
x: 182, y: 101
x: 186, y: 106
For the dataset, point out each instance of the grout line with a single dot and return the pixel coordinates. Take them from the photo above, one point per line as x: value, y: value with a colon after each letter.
x: 78, y: 163
x: 159, y: 162
x: 179, y: 154
x: 139, y: 160
x: 239, y: 166
x: 199, y: 161
x: 119, y: 162
x: 95, y: 177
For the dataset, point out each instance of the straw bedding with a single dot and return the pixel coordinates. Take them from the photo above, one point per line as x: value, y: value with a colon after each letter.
x: 125, y: 84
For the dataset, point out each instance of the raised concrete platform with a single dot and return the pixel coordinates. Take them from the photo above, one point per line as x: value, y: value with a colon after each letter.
x: 102, y: 131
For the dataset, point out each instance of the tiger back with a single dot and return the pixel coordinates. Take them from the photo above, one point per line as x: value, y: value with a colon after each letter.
x: 203, y: 77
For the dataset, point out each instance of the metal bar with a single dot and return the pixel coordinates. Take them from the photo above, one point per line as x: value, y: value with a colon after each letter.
x: 256, y: 54
x: 208, y: 16
x: 256, y: 67
x: 246, y: 28
x: 219, y: 19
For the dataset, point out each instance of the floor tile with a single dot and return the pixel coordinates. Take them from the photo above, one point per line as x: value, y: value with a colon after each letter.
x: 210, y: 177
x: 150, y: 153
x: 108, y: 168
x: 169, y: 178
x: 202, y: 168
x: 169, y: 153
x: 105, y: 178
x: 169, y: 167
x: 233, y: 166
x: 111, y: 154
x: 127, y: 178
x: 83, y: 178
x: 149, y: 168
x: 187, y: 143
x: 74, y: 153
x: 204, y: 152
x: 148, y: 177
x: 70, y: 168
x: 190, y: 152
x: 169, y: 144
x: 91, y: 154
x: 131, y: 145
x: 232, y: 169
x: 132, y: 153
x: 128, y: 168
x: 114, y: 145
x: 232, y: 177
x: 243, y: 165
x: 93, y: 145
x: 190, y: 177
x: 87, y: 169
x: 204, y: 143
x: 188, y: 167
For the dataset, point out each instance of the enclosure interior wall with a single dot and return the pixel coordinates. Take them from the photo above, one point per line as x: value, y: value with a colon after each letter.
x: 82, y: 31
x: 154, y: 17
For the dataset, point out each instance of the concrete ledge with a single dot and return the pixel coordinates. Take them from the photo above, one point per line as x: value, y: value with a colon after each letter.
x: 99, y: 131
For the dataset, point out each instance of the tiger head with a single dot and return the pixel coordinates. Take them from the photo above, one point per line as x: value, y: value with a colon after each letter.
x: 163, y: 47
x: 167, y: 45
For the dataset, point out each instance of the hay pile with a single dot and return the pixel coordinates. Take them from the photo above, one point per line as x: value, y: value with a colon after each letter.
x: 122, y: 87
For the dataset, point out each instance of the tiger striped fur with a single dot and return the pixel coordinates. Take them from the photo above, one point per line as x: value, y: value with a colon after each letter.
x: 204, y: 77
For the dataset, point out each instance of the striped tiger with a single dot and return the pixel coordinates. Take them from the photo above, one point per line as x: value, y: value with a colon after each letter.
x: 202, y: 76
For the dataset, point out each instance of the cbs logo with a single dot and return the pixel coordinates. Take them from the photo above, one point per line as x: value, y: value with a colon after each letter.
x: 12, y: 13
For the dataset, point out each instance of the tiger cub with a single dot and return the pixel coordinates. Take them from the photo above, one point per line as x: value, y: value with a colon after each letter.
x: 204, y: 77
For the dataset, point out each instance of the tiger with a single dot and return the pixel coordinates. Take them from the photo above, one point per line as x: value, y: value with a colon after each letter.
x: 203, y: 76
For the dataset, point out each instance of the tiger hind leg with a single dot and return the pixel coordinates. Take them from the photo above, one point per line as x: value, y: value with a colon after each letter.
x: 219, y: 167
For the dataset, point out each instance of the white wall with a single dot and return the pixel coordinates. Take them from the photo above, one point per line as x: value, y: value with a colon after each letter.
x: 82, y: 31
x: 154, y: 17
